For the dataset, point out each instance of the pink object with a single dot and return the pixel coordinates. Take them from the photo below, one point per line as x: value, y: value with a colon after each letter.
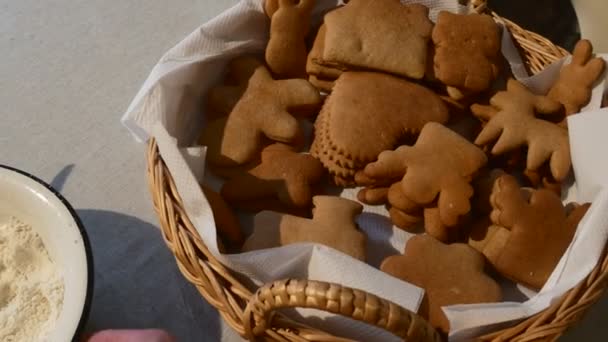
x: 151, y: 335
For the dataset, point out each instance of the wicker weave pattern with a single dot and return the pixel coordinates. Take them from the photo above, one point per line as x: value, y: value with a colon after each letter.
x: 254, y: 315
x: 537, y: 51
x: 337, y: 299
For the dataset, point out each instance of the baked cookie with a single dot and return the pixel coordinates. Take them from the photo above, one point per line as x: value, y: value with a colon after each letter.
x: 263, y: 112
x: 436, y: 172
x: 511, y: 122
x: 357, y: 35
x: 467, y: 52
x: 289, y: 25
x: 523, y: 220
x: 351, y: 130
x: 449, y: 274
x: 333, y: 224
x: 575, y: 82
x: 228, y: 226
x: 283, y: 174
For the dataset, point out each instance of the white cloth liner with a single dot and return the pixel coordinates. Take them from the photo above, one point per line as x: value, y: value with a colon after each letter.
x: 167, y: 107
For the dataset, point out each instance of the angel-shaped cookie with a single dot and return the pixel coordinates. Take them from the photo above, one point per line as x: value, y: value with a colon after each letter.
x: 530, y: 231
x: 575, y: 82
x: 511, y: 119
x: 263, y: 111
x: 333, y: 224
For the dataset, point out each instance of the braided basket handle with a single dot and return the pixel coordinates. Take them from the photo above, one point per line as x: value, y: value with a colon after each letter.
x: 478, y: 6
x: 337, y: 299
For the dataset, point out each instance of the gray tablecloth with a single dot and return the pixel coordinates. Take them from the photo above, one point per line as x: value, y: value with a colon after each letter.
x: 67, y: 72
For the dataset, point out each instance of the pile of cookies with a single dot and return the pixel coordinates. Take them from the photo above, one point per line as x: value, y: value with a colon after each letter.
x: 425, y: 119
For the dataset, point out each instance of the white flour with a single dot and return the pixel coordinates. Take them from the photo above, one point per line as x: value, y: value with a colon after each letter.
x: 31, y: 286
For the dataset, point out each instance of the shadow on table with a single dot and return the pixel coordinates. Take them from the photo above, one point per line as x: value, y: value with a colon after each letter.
x: 137, y: 283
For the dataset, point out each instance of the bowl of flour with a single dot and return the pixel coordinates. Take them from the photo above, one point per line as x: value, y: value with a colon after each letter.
x: 46, y: 268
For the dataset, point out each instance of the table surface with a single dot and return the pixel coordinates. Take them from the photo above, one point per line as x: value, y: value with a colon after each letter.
x: 69, y: 69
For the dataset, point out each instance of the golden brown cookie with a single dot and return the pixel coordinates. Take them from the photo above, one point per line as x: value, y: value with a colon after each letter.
x: 321, y: 84
x: 354, y: 129
x: 315, y: 66
x: 333, y: 224
x: 289, y: 24
x: 449, y: 274
x: 404, y: 220
x: 262, y: 112
x: 357, y: 35
x: 542, y: 179
x: 228, y: 226
x: 511, y: 119
x: 373, y: 195
x: 575, y: 82
x: 270, y: 6
x: 483, y: 186
x: 283, y: 174
x: 439, y: 167
x: 396, y: 197
x: 221, y: 99
x: 467, y: 52
x: 523, y: 221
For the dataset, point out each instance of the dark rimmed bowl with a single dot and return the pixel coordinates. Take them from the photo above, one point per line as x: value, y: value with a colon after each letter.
x: 35, y: 202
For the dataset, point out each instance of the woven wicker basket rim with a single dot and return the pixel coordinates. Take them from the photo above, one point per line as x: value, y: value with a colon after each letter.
x: 251, y: 315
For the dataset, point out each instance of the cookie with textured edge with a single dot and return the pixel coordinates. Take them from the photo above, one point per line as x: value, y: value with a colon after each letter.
x: 360, y: 127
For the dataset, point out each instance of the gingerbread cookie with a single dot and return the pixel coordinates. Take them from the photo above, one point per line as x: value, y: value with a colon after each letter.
x: 270, y: 6
x: 523, y: 220
x: 404, y: 220
x: 575, y: 82
x: 227, y: 223
x: 221, y: 99
x: 322, y: 84
x: 467, y: 52
x: 483, y: 186
x: 333, y: 224
x: 352, y: 130
x: 397, y: 198
x: 283, y: 174
x: 373, y: 195
x: 315, y: 66
x: 289, y: 25
x: 511, y: 119
x: 450, y: 274
x: 263, y: 111
x: 439, y: 167
x: 355, y: 36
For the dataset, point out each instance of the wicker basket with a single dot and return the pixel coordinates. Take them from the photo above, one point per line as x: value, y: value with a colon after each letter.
x: 253, y: 316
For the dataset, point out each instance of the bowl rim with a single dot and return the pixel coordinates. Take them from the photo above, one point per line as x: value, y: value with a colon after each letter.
x: 86, y: 308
